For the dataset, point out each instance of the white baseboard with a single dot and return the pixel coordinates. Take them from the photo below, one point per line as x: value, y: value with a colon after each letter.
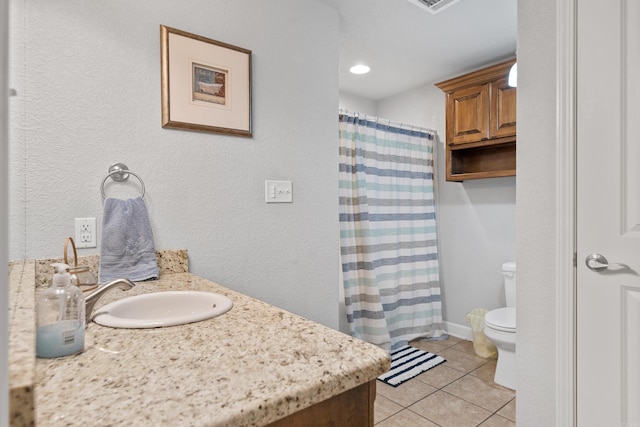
x: 459, y: 331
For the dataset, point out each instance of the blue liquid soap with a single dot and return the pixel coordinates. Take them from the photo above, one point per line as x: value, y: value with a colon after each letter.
x: 60, y: 339
x: 60, y: 316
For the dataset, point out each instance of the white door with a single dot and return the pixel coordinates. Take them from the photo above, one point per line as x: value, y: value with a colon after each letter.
x: 608, y: 212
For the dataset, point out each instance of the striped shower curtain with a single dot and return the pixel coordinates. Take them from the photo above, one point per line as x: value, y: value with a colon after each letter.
x: 388, y: 244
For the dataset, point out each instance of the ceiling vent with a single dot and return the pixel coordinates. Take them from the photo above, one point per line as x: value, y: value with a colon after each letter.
x: 434, y: 6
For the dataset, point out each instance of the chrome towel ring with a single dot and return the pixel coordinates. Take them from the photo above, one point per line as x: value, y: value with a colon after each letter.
x: 119, y: 172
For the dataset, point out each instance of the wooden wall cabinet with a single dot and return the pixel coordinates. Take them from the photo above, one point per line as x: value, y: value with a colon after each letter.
x: 481, y: 124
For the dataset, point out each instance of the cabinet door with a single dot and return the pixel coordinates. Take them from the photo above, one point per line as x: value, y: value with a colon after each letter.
x: 467, y: 115
x: 503, y: 109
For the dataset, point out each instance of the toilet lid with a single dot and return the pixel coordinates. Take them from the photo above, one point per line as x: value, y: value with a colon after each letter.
x: 502, y: 319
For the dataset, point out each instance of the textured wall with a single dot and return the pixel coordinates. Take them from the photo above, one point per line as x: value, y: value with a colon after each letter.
x: 88, y: 78
x: 355, y: 103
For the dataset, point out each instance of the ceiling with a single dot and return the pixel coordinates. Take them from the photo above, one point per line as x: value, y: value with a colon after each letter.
x: 406, y: 46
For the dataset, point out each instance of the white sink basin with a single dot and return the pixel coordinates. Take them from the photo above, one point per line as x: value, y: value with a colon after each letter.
x: 160, y: 309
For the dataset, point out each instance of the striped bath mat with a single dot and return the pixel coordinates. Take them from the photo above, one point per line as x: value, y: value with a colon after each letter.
x: 407, y: 362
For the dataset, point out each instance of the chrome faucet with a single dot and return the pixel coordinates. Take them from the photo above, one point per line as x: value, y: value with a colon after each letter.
x: 91, y: 299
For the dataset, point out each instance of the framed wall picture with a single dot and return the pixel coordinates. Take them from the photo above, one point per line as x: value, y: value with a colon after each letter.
x: 206, y: 84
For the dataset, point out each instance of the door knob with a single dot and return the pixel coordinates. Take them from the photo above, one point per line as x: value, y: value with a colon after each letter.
x: 598, y: 262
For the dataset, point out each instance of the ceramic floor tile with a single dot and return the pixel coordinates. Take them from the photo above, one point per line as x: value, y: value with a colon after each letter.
x: 449, y: 411
x: 465, y: 346
x: 508, y: 411
x: 440, y: 376
x: 459, y: 393
x: 450, y: 341
x: 497, y: 421
x: 431, y: 346
x: 383, y: 408
x: 486, y: 395
x: 462, y: 361
x: 486, y: 371
x: 406, y: 393
x: 406, y: 418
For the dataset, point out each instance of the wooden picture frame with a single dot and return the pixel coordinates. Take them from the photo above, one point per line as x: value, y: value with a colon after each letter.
x: 206, y: 84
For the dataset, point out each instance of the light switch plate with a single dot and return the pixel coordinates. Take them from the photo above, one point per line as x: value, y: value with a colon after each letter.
x: 278, y: 192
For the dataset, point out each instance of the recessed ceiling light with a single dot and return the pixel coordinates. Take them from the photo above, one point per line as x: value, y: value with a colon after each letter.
x: 360, y: 69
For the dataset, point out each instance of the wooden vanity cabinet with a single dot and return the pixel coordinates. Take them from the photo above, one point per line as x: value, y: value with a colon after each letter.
x: 481, y: 124
x: 352, y: 408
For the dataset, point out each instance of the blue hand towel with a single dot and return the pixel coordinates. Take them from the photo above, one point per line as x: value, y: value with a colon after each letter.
x: 127, y: 249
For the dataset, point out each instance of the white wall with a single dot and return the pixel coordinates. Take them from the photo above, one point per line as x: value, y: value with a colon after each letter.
x: 476, y: 218
x: 357, y: 103
x: 536, y: 213
x: 88, y: 78
x: 4, y: 198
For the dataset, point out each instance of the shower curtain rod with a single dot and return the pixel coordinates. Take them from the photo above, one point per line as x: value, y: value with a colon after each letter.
x: 389, y: 123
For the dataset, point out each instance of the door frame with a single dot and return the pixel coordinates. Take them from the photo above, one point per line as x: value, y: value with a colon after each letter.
x: 566, y: 141
x: 4, y: 212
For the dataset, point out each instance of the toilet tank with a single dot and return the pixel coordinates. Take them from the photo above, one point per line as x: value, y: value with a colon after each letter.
x: 509, y: 273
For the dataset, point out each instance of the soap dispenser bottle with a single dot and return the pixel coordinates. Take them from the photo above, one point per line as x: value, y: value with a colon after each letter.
x: 60, y: 316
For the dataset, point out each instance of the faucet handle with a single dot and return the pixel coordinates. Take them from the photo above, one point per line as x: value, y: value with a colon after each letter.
x: 91, y: 299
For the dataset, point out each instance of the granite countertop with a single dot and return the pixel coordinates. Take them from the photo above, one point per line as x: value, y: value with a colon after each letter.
x: 22, y: 348
x: 249, y: 367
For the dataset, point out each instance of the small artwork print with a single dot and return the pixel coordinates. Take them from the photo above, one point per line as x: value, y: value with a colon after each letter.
x: 206, y: 84
x: 209, y: 84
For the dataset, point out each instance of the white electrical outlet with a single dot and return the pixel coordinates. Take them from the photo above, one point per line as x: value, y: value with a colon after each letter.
x: 278, y: 192
x: 86, y: 233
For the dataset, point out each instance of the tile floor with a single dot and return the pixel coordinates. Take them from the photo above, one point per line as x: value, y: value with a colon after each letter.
x: 458, y: 393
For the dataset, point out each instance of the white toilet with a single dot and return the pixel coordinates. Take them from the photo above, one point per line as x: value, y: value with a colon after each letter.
x: 500, y: 328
